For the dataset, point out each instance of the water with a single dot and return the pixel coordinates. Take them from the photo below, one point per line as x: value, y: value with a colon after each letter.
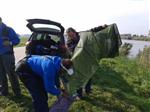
x: 137, y: 45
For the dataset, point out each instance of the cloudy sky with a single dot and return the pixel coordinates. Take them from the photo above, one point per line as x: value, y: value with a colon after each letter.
x: 131, y: 16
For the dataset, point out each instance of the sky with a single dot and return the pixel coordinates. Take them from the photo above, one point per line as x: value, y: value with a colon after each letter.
x: 131, y: 16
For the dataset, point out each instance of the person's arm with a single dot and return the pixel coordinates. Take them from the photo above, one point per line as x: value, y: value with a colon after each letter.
x: 49, y: 81
x: 13, y: 37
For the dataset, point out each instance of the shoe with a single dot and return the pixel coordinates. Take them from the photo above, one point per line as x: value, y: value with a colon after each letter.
x: 88, y: 91
x: 76, y: 97
x: 80, y: 93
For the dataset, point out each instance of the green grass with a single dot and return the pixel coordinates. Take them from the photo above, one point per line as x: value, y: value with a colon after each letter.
x: 120, y: 85
x: 23, y: 41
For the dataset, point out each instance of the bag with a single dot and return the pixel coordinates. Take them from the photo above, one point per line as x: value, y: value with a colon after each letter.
x: 22, y: 66
x: 62, y: 104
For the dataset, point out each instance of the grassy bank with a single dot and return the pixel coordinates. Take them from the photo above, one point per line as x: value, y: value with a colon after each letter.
x: 120, y: 85
x: 23, y: 40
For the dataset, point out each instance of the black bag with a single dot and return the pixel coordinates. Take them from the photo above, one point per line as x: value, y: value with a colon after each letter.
x: 22, y: 66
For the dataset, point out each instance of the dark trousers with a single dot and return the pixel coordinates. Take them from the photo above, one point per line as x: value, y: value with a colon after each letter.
x: 7, y: 68
x: 35, y: 86
x: 87, y: 89
x: 88, y: 86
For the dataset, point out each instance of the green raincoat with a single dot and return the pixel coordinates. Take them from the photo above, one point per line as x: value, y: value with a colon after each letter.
x: 92, y: 46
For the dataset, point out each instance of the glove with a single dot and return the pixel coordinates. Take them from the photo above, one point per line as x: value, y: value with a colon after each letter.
x: 64, y: 94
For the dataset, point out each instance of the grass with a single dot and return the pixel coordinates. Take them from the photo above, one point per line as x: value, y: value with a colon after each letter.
x: 120, y: 85
x: 145, y: 57
x: 23, y: 41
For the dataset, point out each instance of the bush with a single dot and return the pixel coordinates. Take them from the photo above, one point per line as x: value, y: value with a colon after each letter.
x: 124, y: 50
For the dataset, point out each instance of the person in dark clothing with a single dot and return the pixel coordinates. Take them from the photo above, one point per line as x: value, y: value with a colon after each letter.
x: 72, y: 41
x: 8, y: 38
x: 39, y: 75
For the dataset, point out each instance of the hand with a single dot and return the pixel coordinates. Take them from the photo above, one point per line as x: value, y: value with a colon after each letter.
x: 64, y: 93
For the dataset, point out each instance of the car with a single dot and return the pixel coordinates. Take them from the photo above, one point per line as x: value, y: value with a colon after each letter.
x: 47, y: 38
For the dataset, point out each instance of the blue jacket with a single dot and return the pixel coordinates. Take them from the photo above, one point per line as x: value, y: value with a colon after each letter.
x: 12, y: 36
x: 47, y: 67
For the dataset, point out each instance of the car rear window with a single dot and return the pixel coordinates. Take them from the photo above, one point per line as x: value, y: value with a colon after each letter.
x: 43, y: 36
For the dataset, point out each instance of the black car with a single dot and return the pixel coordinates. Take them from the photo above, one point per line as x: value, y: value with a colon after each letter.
x: 48, y: 39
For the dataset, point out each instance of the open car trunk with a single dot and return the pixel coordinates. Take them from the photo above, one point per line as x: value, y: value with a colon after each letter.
x: 47, y: 38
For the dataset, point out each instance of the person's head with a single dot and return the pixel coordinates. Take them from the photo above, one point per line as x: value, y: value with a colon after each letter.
x: 67, y: 66
x: 71, y: 33
x: 0, y: 20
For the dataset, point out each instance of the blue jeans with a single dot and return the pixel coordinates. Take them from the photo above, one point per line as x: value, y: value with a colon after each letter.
x: 7, y: 67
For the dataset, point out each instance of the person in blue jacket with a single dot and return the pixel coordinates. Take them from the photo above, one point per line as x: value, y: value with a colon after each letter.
x: 8, y: 38
x: 39, y: 75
